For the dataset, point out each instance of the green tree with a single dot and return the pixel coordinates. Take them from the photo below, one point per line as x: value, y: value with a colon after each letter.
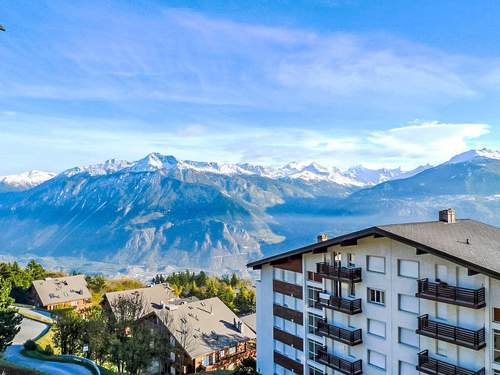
x: 9, y: 320
x: 68, y: 331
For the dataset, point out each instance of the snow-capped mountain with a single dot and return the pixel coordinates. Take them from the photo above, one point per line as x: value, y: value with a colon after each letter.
x: 24, y: 181
x: 305, y: 171
x: 368, y: 177
x: 163, y: 211
x: 471, y: 154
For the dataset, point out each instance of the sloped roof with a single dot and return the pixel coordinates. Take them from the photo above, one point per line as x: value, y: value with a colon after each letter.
x: 61, y: 289
x: 470, y: 243
x: 208, y: 326
x: 152, y: 296
x: 250, y: 320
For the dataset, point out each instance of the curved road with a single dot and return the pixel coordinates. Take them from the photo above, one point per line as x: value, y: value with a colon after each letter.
x: 31, y: 329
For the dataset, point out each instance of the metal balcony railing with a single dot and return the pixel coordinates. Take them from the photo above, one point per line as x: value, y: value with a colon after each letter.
x: 442, y: 292
x: 339, y: 334
x: 329, y: 271
x: 433, y: 366
x: 348, y: 306
x: 445, y: 332
x: 339, y: 364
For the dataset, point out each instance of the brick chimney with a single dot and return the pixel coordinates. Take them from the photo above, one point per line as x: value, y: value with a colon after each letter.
x: 322, y: 237
x: 447, y: 216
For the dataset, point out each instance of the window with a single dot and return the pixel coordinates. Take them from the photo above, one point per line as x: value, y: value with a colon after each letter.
x: 278, y: 274
x: 279, y: 322
x: 232, y: 350
x: 441, y: 348
x: 406, y: 368
x: 375, y: 264
x: 313, y: 349
x: 408, y: 303
x: 172, y: 370
x: 376, y: 359
x: 376, y: 296
x: 313, y: 322
x: 278, y: 298
x: 279, y: 370
x: 290, y: 327
x: 172, y: 356
x: 408, y: 268
x: 496, y: 345
x: 288, y: 301
x: 408, y: 337
x: 279, y: 346
x: 312, y: 296
x: 496, y: 314
x: 376, y: 327
x: 221, y: 354
x: 351, y: 260
x: 205, y: 361
x: 315, y: 371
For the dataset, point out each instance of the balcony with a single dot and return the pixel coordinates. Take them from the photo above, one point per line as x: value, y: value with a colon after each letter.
x: 445, y: 332
x: 432, y: 366
x: 347, y: 306
x: 352, y: 275
x: 342, y: 335
x: 339, y: 364
x: 442, y: 292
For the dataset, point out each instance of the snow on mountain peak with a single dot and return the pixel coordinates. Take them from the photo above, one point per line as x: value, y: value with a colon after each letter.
x: 26, y: 180
x: 471, y: 154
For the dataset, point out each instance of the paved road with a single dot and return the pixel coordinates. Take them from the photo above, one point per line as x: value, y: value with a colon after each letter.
x: 31, y: 329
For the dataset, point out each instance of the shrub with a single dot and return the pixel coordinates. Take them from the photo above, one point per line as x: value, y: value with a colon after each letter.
x: 48, y: 350
x: 30, y: 345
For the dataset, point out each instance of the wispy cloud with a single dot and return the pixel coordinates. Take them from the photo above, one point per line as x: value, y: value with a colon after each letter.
x: 179, y: 55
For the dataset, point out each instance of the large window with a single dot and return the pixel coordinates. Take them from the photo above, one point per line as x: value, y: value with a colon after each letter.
x: 496, y: 345
x: 408, y: 268
x: 288, y: 351
x: 406, y: 368
x: 408, y: 303
x: 376, y: 296
x: 312, y: 322
x: 290, y: 277
x: 376, y: 359
x: 286, y: 325
x: 376, y: 327
x: 288, y: 301
x: 408, y: 337
x: 313, y: 347
x: 375, y: 264
x: 312, y: 296
x: 315, y: 371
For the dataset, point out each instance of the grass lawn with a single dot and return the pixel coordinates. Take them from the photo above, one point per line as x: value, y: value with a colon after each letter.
x: 10, y: 369
x: 54, y: 358
x: 48, y: 339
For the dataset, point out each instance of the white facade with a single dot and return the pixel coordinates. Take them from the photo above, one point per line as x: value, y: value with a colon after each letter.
x: 390, y: 270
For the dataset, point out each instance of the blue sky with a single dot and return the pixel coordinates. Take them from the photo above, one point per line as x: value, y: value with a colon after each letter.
x: 381, y: 83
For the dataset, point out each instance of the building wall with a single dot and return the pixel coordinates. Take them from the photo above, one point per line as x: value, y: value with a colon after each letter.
x: 397, y: 355
x: 265, y: 359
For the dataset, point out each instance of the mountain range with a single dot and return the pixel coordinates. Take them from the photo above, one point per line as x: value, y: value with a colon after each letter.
x: 162, y: 211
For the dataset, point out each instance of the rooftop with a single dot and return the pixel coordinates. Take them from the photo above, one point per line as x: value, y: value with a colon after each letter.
x: 204, y: 326
x: 61, y: 289
x: 470, y: 243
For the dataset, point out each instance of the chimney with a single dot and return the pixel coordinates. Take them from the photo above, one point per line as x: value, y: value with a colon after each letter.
x: 447, y: 216
x: 322, y: 237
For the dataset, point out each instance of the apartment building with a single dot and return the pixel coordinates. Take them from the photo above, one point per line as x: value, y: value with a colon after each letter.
x: 416, y: 298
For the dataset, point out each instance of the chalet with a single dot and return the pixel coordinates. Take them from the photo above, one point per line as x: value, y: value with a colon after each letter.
x: 153, y: 297
x: 61, y: 292
x: 206, y: 335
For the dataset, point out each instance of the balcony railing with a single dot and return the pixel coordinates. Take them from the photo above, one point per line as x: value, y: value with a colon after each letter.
x: 432, y: 366
x: 329, y: 271
x: 442, y: 292
x: 342, y: 335
x: 348, y: 306
x: 445, y: 332
x: 339, y: 364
